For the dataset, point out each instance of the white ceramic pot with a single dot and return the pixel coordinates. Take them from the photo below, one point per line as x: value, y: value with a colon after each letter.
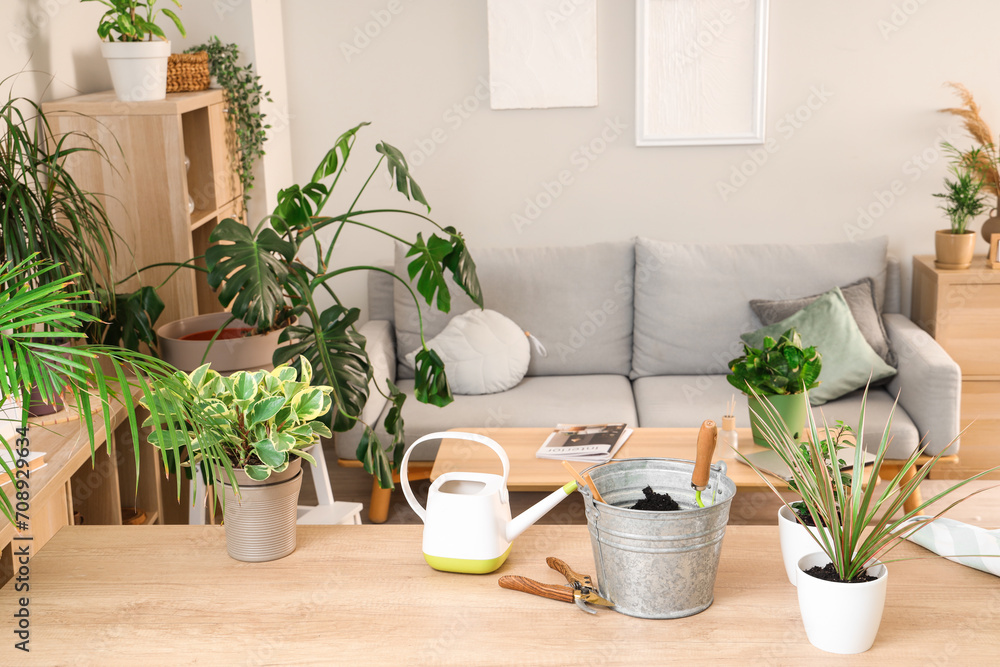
x: 838, y: 617
x: 138, y: 69
x: 795, y: 541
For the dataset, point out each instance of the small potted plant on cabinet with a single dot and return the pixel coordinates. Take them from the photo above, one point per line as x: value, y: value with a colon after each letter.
x: 138, y: 63
x: 259, y: 427
x: 963, y: 201
x: 842, y: 584
x: 779, y: 373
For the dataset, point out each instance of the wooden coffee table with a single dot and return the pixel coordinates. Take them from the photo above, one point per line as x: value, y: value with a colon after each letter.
x: 363, y: 595
x: 528, y: 473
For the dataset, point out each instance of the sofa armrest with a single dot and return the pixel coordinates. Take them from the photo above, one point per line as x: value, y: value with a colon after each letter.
x: 929, y: 384
x: 381, y: 348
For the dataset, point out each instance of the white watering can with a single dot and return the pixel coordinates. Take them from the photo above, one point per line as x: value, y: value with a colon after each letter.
x: 467, y: 523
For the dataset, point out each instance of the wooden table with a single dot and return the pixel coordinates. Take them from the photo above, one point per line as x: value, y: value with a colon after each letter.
x: 528, y: 473
x: 362, y: 595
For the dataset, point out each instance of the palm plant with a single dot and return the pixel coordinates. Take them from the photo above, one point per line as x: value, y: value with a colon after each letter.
x: 36, y: 302
x: 862, y: 523
x: 963, y: 198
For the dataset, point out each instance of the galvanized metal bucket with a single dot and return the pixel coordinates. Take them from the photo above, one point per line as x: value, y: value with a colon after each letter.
x: 657, y: 564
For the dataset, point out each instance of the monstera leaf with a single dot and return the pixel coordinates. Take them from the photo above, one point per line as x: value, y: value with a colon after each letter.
x: 400, y: 172
x: 431, y: 384
x: 463, y: 269
x: 331, y: 162
x: 251, y: 269
x: 432, y: 258
x: 135, y: 314
x: 349, y: 370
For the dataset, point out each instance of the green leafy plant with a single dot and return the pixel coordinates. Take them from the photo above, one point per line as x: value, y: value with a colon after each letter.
x: 280, y: 270
x: 829, y: 451
x: 984, y: 160
x: 257, y: 421
x: 863, y: 522
x: 134, y: 20
x: 46, y: 214
x: 90, y: 377
x: 244, y: 93
x: 781, y: 366
x: 963, y: 198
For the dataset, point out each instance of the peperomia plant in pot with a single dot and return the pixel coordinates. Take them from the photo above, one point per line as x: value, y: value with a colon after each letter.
x: 841, y: 586
x: 258, y: 429
x: 779, y: 373
x: 138, y: 63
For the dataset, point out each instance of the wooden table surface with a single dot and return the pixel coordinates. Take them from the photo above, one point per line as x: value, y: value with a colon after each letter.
x: 528, y: 473
x: 362, y: 595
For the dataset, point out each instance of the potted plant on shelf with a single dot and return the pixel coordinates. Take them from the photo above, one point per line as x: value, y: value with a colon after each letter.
x: 779, y: 373
x: 91, y: 377
x: 244, y: 94
x: 985, y: 158
x: 279, y: 272
x: 963, y: 201
x: 138, y: 63
x: 841, y: 586
x: 259, y: 427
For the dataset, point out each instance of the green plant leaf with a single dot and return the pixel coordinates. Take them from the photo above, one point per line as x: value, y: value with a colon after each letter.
x: 394, y: 422
x: 251, y: 269
x: 264, y: 409
x: 400, y: 172
x: 244, y: 387
x: 269, y: 453
x: 132, y: 319
x: 283, y: 442
x: 428, y: 263
x: 330, y: 163
x: 431, y: 384
x: 177, y: 21
x: 257, y: 473
x: 374, y: 459
x: 463, y: 269
x: 310, y: 404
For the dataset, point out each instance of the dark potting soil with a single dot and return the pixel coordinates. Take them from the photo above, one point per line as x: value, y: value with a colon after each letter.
x: 656, y: 502
x: 829, y: 573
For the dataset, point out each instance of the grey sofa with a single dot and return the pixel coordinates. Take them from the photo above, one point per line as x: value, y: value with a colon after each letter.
x: 641, y: 332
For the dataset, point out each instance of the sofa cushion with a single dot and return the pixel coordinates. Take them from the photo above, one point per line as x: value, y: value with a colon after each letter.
x: 860, y: 299
x: 577, y: 300
x: 687, y: 400
x: 483, y: 352
x: 536, y: 401
x: 692, y: 301
x: 827, y: 324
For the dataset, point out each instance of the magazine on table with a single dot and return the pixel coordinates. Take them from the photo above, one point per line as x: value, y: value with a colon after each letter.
x: 593, y: 443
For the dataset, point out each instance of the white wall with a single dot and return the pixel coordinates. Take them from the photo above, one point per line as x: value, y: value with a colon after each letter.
x: 872, y: 72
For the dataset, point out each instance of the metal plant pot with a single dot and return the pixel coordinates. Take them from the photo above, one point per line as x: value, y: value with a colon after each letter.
x: 260, y: 522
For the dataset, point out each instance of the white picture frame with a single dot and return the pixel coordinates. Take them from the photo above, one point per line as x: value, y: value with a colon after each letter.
x: 701, y: 72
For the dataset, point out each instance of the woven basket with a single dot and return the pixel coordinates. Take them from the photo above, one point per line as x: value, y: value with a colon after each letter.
x: 187, y: 72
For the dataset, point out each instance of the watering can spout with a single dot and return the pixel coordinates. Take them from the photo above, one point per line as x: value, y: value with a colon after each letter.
x: 529, y: 516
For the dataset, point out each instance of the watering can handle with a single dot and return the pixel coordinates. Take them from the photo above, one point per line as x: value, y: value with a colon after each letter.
x: 450, y: 435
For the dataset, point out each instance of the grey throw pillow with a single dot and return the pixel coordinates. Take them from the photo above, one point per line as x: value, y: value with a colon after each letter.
x: 860, y: 299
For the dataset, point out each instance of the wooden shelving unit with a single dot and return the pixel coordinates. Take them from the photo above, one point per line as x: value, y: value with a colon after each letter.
x: 149, y: 188
x: 961, y: 310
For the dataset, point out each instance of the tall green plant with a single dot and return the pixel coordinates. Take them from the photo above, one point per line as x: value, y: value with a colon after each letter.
x: 30, y: 298
x: 863, y: 522
x: 779, y: 367
x: 244, y: 94
x: 45, y: 213
x: 963, y: 197
x: 134, y: 20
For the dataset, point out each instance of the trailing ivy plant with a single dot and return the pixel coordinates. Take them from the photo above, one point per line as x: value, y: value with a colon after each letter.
x: 244, y: 93
x: 134, y: 20
x: 781, y: 366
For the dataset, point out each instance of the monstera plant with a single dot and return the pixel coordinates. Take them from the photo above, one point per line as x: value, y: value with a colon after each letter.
x: 278, y: 273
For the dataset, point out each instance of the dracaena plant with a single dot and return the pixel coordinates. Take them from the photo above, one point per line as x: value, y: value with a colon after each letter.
x: 779, y: 367
x: 256, y: 421
x: 38, y: 301
x: 134, y: 20
x: 277, y: 273
x: 864, y: 522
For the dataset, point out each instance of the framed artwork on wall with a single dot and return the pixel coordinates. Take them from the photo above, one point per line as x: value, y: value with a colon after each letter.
x: 701, y: 70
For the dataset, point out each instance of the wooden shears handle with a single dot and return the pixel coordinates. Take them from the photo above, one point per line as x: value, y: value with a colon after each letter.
x: 516, y: 582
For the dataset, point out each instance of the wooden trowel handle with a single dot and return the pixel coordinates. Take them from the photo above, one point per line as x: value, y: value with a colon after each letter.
x: 517, y: 583
x: 707, y: 437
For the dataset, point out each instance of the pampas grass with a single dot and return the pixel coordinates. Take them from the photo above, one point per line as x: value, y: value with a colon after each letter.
x: 984, y: 161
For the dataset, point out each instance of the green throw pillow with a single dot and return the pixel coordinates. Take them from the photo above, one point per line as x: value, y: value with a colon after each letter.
x: 848, y: 359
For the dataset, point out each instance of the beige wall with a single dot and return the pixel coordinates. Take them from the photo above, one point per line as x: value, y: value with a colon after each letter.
x: 863, y: 78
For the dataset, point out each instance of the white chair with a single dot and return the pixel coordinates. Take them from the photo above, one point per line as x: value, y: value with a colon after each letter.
x: 327, y: 511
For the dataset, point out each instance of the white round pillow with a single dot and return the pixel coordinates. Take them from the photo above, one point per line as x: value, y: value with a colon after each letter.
x: 483, y: 352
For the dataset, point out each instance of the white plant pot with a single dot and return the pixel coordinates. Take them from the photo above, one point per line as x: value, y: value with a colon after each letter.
x: 795, y: 541
x: 838, y: 617
x: 138, y: 69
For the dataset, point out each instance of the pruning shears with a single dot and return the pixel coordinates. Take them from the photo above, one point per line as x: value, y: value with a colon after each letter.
x: 580, y: 588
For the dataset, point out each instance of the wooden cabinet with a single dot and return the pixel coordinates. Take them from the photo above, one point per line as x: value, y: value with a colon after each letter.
x: 148, y: 186
x: 961, y: 309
